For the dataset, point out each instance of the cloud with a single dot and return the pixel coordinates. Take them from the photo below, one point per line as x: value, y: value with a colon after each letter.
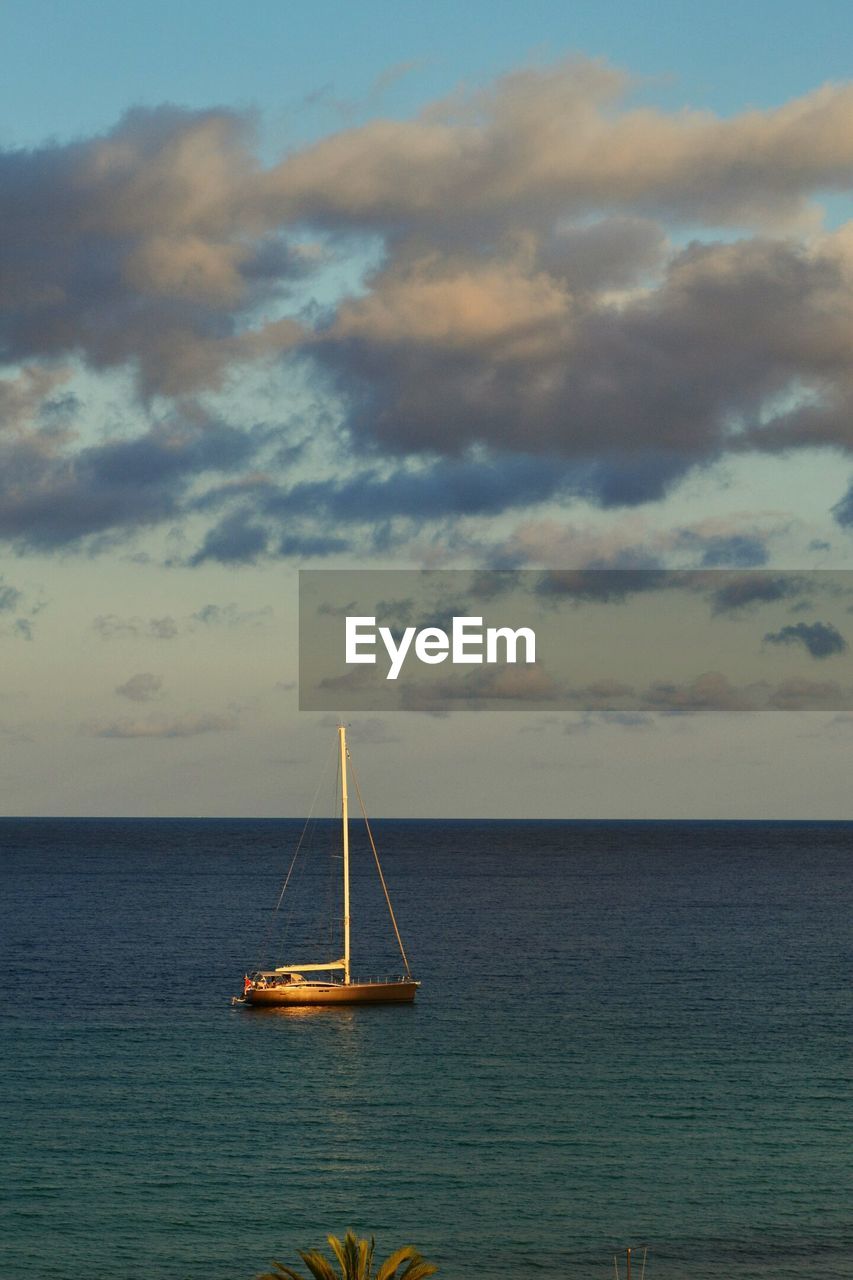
x: 627, y: 719
x: 162, y: 628
x: 753, y: 589
x: 843, y: 509
x: 132, y: 249
x: 535, y: 328
x: 821, y: 639
x: 499, y: 685
x: 711, y: 691
x: 187, y: 726
x: 631, y: 540
x: 808, y: 695
x: 231, y: 615
x: 55, y: 494
x: 336, y: 610
x: 140, y: 688
x: 237, y: 539
x: 22, y: 603
x: 739, y: 347
x: 631, y: 720
x: 561, y: 141
x: 485, y: 486
x: 721, y: 551
x: 605, y: 585
x: 111, y: 626
x: 9, y: 596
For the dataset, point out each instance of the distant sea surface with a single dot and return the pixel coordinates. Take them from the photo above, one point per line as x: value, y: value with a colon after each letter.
x: 627, y: 1033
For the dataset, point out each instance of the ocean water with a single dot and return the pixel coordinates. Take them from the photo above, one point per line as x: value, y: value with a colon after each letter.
x: 627, y: 1034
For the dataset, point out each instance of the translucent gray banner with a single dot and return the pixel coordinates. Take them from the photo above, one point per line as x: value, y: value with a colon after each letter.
x: 625, y: 642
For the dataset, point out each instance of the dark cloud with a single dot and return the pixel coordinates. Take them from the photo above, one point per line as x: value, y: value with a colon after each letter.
x: 611, y: 253
x: 237, y: 539
x: 140, y: 688
x: 163, y: 628
x: 307, y: 545
x: 450, y: 356
x: 273, y: 518
x: 445, y: 487
x: 843, y: 509
x: 10, y: 597
x: 132, y: 249
x: 53, y: 497
x: 821, y: 639
x: 756, y: 589
x: 719, y: 551
x: 604, y: 585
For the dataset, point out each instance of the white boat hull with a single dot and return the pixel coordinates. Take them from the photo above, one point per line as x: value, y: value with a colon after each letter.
x: 301, y: 993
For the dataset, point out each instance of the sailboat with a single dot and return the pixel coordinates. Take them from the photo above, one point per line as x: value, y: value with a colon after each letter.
x: 289, y: 985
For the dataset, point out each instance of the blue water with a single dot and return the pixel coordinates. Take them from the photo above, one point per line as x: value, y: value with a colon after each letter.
x: 627, y: 1033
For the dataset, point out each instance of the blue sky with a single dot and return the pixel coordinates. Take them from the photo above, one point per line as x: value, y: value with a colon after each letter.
x: 71, y: 69
x: 551, y: 285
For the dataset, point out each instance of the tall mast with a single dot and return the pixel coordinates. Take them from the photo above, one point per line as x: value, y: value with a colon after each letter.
x: 342, y: 734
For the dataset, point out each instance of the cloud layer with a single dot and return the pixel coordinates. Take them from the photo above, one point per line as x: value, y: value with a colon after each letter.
x: 539, y: 327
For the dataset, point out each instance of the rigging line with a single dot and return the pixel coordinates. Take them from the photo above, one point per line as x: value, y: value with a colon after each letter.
x: 310, y: 922
x: 643, y: 1272
x: 274, y: 911
x: 379, y: 868
x: 332, y: 882
x: 299, y: 872
x: 331, y: 878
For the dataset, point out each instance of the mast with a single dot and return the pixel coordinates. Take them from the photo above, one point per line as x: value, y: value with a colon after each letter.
x: 342, y: 734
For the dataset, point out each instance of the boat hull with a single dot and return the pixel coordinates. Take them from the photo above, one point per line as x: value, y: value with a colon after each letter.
x: 302, y: 993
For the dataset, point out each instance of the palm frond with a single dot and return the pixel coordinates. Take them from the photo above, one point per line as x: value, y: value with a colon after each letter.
x: 355, y: 1259
x: 365, y: 1259
x: 318, y: 1265
x: 281, y: 1270
x: 393, y: 1261
x: 338, y: 1248
x: 419, y: 1269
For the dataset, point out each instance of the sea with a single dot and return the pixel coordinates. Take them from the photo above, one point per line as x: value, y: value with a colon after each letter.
x: 627, y: 1034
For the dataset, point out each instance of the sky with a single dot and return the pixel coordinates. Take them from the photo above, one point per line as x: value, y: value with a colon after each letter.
x: 537, y: 286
